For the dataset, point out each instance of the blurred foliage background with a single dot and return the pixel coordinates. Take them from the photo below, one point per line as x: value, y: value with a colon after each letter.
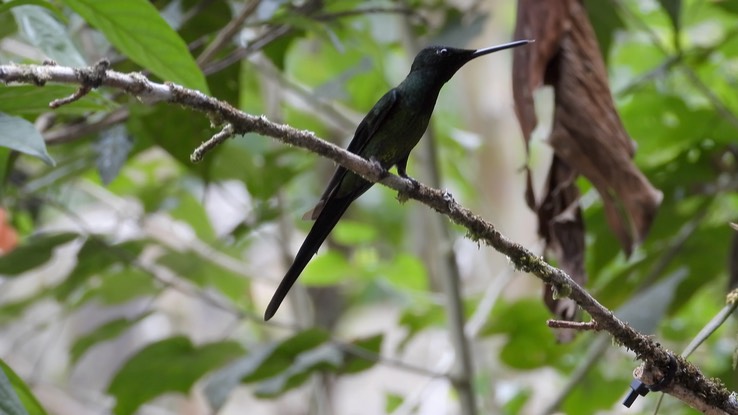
x: 134, y: 281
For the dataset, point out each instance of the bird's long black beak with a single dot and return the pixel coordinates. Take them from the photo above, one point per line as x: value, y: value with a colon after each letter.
x: 491, y: 49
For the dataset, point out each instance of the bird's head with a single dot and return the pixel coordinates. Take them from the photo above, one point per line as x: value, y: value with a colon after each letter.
x: 444, y: 61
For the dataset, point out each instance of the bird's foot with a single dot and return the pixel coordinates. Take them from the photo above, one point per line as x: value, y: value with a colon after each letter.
x: 449, y: 199
x: 414, y: 184
x: 403, y: 195
x: 379, y: 168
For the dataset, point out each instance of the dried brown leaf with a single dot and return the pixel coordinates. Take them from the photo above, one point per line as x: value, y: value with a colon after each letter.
x: 587, y: 131
x: 587, y: 136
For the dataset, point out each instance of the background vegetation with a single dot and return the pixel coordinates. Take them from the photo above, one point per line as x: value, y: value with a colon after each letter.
x: 134, y: 280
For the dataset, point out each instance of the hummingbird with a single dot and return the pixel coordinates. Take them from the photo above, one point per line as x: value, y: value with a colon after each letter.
x: 385, y: 136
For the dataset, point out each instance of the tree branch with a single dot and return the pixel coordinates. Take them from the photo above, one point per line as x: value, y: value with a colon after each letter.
x: 704, y: 393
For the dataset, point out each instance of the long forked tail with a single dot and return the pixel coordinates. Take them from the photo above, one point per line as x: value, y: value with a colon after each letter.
x: 324, y: 224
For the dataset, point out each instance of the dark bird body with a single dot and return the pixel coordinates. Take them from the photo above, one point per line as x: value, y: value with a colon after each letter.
x: 386, y: 135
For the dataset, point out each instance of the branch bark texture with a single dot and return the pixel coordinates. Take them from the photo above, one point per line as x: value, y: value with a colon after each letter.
x: 706, y: 393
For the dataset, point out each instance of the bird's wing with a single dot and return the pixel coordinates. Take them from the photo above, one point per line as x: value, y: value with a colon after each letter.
x: 364, y: 133
x: 373, y: 120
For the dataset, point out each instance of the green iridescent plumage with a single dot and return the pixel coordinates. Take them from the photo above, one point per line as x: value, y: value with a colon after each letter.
x: 387, y: 134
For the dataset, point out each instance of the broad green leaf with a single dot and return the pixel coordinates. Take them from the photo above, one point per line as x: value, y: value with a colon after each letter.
x: 8, y: 26
x: 191, y: 211
x: 205, y: 273
x: 274, y: 359
x: 277, y: 50
x: 515, y: 404
x: 178, y: 132
x: 34, y: 252
x: 417, y: 319
x: 323, y: 358
x: 327, y: 357
x: 350, y: 232
x: 120, y: 284
x: 355, y: 364
x: 260, y: 363
x: 209, y: 20
x: 729, y: 6
x: 406, y: 272
x: 673, y: 8
x: 392, y: 402
x: 169, y: 365
x: 107, y: 331
x: 15, y: 396
x: 96, y: 256
x: 283, y: 366
x: 326, y: 269
x: 138, y: 31
x: 33, y: 100
x: 596, y: 392
x: 606, y: 22
x: 524, y: 324
x: 47, y: 34
x: 20, y: 135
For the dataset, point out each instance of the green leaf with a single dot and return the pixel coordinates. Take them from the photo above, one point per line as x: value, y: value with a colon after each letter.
x: 326, y: 269
x: 107, y: 331
x: 528, y: 338
x: 8, y: 27
x: 205, y: 273
x: 417, y: 319
x: 169, y: 365
x: 138, y: 31
x: 261, y: 363
x: 281, y: 367
x: 606, y: 22
x: 350, y: 232
x: 327, y: 357
x: 33, y: 100
x: 47, y: 34
x: 355, y: 364
x: 20, y: 135
x: 673, y: 8
x: 730, y: 6
x: 276, y: 50
x: 176, y: 131
x: 323, y: 358
x: 595, y: 392
x: 392, y: 402
x: 117, y: 286
x: 274, y: 359
x: 96, y: 256
x: 406, y: 272
x: 191, y: 211
x: 15, y: 396
x: 35, y: 252
x: 515, y: 404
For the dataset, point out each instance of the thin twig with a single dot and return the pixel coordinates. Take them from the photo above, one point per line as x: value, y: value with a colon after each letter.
x: 225, y: 34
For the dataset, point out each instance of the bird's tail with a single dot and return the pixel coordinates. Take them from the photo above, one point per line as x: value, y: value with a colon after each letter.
x: 324, y: 224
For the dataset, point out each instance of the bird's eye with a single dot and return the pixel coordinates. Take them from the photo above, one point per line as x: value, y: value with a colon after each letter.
x: 442, y: 52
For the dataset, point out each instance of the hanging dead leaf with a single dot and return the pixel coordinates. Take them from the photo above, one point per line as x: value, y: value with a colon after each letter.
x: 587, y: 136
x: 561, y: 226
